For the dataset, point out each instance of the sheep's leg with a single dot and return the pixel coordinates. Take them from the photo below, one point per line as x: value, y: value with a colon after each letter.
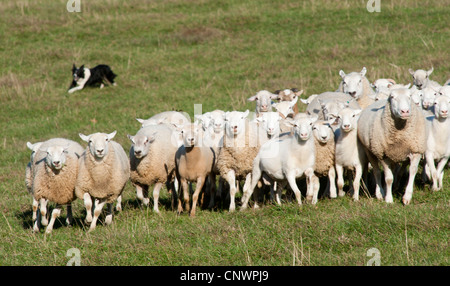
x: 389, y: 179
x: 198, y: 188
x: 413, y: 166
x: 212, y: 190
x: 88, y: 205
x: 231, y: 179
x: 293, y: 184
x: 254, y: 177
x: 340, y: 179
x: 377, y: 174
x: 156, y: 190
x: 43, y: 208
x: 56, y: 212
x: 119, y: 203
x: 109, y: 213
x: 440, y: 172
x: 357, y: 182
x: 185, y: 188
x: 37, y: 222
x: 431, y: 169
x: 331, y: 182
x: 97, y: 211
x: 35, y: 207
x: 142, y: 194
x: 69, y: 218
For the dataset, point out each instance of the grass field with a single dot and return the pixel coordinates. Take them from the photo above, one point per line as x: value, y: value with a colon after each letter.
x: 172, y: 54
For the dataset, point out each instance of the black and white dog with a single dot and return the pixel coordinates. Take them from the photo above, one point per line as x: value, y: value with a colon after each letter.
x: 97, y: 76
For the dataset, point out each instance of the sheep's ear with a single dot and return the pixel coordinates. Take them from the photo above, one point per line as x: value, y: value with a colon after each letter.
x: 131, y: 138
x: 290, y: 123
x: 363, y: 71
x: 297, y: 93
x: 260, y: 119
x: 411, y: 71
x: 152, y: 137
x: 30, y: 146
x: 342, y: 73
x: 322, y: 104
x: 110, y: 136
x: 140, y: 120
x: 294, y: 101
x: 66, y: 148
x: 357, y: 111
x: 408, y: 85
x: 313, y: 118
x: 332, y: 119
x: 245, y: 114
x: 253, y: 98
x: 430, y: 71
x: 305, y: 101
x: 83, y: 137
x: 391, y: 81
x: 277, y: 91
x: 274, y: 96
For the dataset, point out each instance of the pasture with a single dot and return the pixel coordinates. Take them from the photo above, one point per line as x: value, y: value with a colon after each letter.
x: 170, y: 55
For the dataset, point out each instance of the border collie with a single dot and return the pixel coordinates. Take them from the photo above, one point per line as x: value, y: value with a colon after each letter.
x: 97, y: 76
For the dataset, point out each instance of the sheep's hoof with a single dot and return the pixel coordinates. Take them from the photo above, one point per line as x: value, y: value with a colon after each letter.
x: 108, y: 219
x: 406, y: 201
x: 48, y: 231
x: 309, y: 198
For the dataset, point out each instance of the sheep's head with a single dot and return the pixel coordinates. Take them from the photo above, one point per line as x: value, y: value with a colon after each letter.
x: 401, y: 103
x: 416, y: 96
x: 420, y: 77
x: 322, y: 131
x: 217, y: 121
x: 263, y: 100
x: 352, y: 83
x: 270, y: 121
x: 34, y: 148
x: 302, y: 126
x: 428, y: 96
x: 288, y: 94
x: 348, y: 118
x: 56, y: 156
x: 192, y: 134
x: 383, y: 84
x: 441, y: 106
x: 141, y: 144
x: 98, y: 143
x: 286, y: 108
x: 444, y: 90
x: 235, y: 122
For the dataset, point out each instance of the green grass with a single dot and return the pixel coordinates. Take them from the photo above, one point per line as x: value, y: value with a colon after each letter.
x: 170, y: 55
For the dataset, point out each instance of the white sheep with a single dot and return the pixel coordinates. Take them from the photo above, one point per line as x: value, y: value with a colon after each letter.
x: 382, y: 83
x: 325, y: 153
x: 421, y: 78
x: 428, y: 97
x: 51, y: 176
x: 287, y: 158
x: 444, y: 90
x: 263, y: 99
x: 393, y: 131
x: 289, y: 95
x: 358, y: 86
x: 104, y: 170
x: 270, y: 123
x: 350, y: 153
x: 438, y: 147
x: 194, y: 163
x: 168, y: 117
x: 286, y: 108
x: 152, y: 161
x: 240, y: 144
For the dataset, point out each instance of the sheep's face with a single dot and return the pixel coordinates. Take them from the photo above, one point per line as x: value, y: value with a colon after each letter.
x: 270, y: 121
x: 217, y: 122
x: 420, y: 77
x: 401, y: 103
x: 352, y: 83
x: 383, y: 84
x: 302, y: 127
x: 141, y: 144
x: 416, y: 96
x: 444, y: 90
x: 191, y: 135
x: 322, y: 131
x: 441, y: 106
x: 286, y: 108
x: 56, y: 157
x: 263, y: 100
x: 98, y: 143
x: 348, y: 118
x: 428, y: 97
x: 235, y: 122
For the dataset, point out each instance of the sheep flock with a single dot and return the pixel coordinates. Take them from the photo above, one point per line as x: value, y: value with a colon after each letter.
x: 370, y: 136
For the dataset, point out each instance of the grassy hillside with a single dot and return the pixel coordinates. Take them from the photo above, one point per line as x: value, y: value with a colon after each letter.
x: 170, y: 55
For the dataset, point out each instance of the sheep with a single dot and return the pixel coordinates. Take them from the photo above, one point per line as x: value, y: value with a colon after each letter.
x: 350, y: 153
x: 392, y: 131
x: 286, y: 108
x: 428, y: 97
x: 169, y: 117
x: 438, y: 147
x: 104, y: 170
x: 194, y: 162
x: 263, y: 100
x: 270, y: 124
x: 358, y: 86
x: 287, y: 158
x: 333, y: 101
x: 240, y: 144
x: 289, y: 95
x: 421, y: 78
x: 325, y: 153
x: 382, y: 83
x: 444, y: 90
x: 152, y: 160
x: 51, y: 176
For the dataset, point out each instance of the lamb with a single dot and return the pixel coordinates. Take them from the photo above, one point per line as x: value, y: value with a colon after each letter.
x: 288, y: 158
x: 391, y: 132
x: 438, y: 147
x: 428, y: 97
x: 286, y: 108
x: 152, y: 161
x: 358, y: 86
x: 421, y: 78
x: 270, y: 124
x: 325, y: 153
x: 194, y: 163
x: 169, y: 117
x: 240, y: 145
x: 444, y: 90
x: 289, y: 95
x: 350, y: 153
x: 103, y: 171
x: 382, y: 83
x: 51, y: 176
x: 263, y: 100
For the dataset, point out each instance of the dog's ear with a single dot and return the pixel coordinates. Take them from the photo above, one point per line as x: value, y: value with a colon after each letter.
x: 82, y: 67
x: 74, y: 67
